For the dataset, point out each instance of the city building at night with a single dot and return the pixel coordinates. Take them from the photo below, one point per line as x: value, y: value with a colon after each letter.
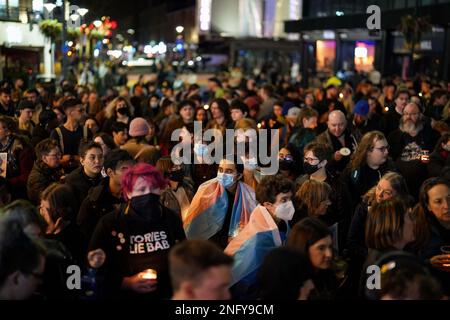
x: 22, y: 45
x: 236, y: 32
x: 335, y: 36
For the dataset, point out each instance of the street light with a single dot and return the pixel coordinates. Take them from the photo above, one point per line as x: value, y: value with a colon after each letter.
x: 179, y: 29
x: 49, y: 7
x: 82, y: 11
x: 74, y: 16
x: 97, y: 23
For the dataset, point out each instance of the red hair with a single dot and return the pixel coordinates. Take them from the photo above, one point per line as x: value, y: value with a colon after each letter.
x: 145, y: 171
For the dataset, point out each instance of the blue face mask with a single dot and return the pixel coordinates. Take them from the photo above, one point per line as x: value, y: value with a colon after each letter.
x: 200, y: 149
x: 225, y: 179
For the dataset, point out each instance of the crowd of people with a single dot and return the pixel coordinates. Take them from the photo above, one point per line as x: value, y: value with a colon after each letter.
x: 90, y: 180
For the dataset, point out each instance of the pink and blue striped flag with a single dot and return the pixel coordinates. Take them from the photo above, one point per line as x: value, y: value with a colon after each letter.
x: 206, y: 214
x: 251, y: 245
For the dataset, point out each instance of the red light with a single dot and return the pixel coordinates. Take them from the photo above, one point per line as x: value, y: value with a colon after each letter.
x: 113, y: 24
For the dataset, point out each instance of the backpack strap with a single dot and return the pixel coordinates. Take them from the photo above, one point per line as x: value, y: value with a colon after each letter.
x: 61, y: 139
x: 85, y: 132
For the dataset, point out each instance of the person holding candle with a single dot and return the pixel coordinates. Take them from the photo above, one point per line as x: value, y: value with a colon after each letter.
x: 138, y: 237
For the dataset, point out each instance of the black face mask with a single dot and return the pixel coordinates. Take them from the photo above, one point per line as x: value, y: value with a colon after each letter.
x: 286, y: 165
x: 123, y: 111
x: 309, y: 168
x: 176, y: 176
x: 147, y: 206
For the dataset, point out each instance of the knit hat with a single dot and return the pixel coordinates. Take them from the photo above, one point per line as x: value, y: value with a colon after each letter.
x: 139, y: 127
x: 361, y: 108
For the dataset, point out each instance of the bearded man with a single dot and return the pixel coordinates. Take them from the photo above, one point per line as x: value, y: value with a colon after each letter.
x: 410, y: 146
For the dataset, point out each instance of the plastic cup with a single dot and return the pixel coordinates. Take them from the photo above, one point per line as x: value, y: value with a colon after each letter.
x: 345, y: 151
x: 445, y: 249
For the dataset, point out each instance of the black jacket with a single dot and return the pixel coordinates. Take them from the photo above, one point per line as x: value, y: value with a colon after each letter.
x: 360, y: 180
x: 439, y: 236
x: 356, y: 242
x: 329, y: 139
x: 407, y: 152
x: 438, y: 161
x: 39, y: 134
x: 133, y: 243
x: 41, y: 176
x: 391, y: 121
x: 340, y: 209
x: 8, y: 111
x: 81, y: 184
x: 97, y: 204
x: 72, y: 239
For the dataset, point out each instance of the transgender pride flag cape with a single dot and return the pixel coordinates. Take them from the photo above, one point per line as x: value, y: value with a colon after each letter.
x: 206, y: 214
x: 249, y: 248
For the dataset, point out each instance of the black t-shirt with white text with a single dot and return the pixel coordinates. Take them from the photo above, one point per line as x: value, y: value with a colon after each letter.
x: 133, y: 244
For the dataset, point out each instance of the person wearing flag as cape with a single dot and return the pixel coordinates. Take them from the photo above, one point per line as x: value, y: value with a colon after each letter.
x: 267, y: 229
x: 221, y: 207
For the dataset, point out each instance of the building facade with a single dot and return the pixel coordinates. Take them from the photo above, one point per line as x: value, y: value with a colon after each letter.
x: 335, y: 36
x: 244, y: 33
x: 24, y: 51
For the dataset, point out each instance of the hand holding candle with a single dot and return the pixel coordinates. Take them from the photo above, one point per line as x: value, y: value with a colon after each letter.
x: 149, y: 274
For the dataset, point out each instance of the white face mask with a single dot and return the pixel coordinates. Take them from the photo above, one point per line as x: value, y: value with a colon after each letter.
x: 285, y: 211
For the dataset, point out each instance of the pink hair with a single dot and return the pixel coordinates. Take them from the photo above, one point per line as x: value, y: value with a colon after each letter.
x: 141, y: 170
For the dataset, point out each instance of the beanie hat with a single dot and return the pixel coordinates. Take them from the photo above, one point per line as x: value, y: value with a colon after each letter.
x: 139, y: 127
x: 361, y: 108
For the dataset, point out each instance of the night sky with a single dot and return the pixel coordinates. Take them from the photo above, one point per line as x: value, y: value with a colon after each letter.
x: 117, y: 9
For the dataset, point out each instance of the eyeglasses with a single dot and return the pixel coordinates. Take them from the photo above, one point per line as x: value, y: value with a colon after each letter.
x: 382, y: 149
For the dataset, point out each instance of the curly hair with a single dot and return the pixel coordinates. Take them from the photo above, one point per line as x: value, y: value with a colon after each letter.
x: 271, y: 186
x: 110, y: 109
x: 44, y: 147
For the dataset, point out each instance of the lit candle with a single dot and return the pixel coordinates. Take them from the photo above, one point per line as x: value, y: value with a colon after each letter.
x: 149, y: 274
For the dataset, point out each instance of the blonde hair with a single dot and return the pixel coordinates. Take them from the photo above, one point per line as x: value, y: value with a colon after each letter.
x: 110, y: 109
x: 245, y: 124
x: 397, y: 182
